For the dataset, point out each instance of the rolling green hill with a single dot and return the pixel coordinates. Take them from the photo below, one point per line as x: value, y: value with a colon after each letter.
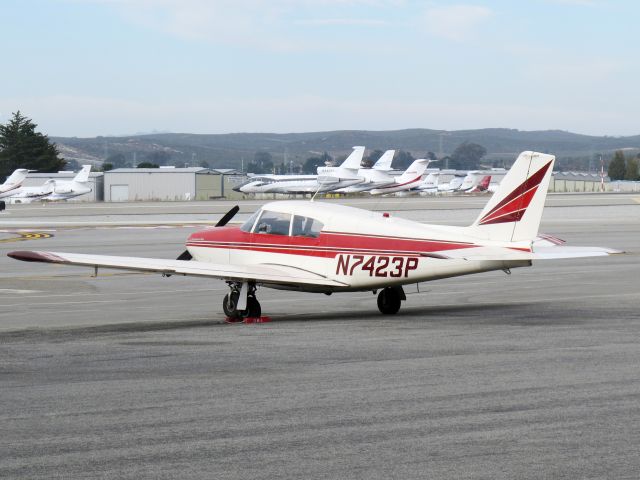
x: 233, y: 150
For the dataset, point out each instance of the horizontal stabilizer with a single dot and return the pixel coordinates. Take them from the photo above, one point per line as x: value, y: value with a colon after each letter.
x: 516, y: 254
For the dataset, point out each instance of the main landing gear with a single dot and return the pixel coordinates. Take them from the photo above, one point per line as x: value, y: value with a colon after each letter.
x: 241, y: 301
x: 389, y: 300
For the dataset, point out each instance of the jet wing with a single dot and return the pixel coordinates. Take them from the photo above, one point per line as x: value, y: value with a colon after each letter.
x: 276, y: 274
x: 512, y: 254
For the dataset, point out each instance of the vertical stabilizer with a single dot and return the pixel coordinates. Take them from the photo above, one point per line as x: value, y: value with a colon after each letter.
x: 482, y: 186
x: 431, y: 181
x: 414, y: 172
x: 469, y: 181
x: 384, y: 162
x: 15, y: 179
x: 354, y: 160
x: 83, y: 175
x: 514, y: 212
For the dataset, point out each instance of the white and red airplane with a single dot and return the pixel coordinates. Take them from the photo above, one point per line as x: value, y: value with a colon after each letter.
x: 481, y: 186
x: 411, y: 178
x: 327, y: 248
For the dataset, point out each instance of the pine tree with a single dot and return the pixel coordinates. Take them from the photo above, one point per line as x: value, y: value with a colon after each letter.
x: 617, y: 166
x: 22, y: 147
x: 631, y: 172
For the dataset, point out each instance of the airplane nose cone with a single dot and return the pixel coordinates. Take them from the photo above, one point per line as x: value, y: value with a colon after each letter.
x: 237, y: 188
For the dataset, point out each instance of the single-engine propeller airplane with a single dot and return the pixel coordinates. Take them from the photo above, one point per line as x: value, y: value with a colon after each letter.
x: 327, y: 248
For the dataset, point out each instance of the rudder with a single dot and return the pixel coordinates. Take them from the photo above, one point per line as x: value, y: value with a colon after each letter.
x: 83, y: 175
x: 514, y: 212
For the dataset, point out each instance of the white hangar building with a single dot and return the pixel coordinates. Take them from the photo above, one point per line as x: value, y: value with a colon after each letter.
x: 169, y: 184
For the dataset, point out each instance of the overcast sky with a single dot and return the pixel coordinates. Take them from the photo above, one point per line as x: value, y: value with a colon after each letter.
x: 103, y: 67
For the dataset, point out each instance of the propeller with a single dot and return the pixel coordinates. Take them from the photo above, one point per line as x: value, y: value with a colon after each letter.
x: 185, y: 256
x: 228, y: 216
x: 221, y: 223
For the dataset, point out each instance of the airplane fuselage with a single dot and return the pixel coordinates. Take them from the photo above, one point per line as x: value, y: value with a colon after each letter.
x: 357, y: 255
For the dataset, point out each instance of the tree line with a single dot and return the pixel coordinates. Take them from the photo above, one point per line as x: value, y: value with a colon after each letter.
x: 623, y: 168
x: 467, y: 156
x: 22, y: 147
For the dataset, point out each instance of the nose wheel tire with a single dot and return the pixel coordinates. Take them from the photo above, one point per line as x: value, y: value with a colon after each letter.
x: 389, y: 300
x: 229, y: 305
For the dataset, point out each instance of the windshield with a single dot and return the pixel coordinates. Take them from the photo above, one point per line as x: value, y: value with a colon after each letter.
x: 248, y: 225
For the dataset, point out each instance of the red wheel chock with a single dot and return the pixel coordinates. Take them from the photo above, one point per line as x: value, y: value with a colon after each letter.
x: 248, y: 320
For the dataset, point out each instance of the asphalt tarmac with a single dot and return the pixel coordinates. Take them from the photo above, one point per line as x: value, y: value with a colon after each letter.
x: 532, y: 375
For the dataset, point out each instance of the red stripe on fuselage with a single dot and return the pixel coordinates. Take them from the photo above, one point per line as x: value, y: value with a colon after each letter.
x: 329, y: 244
x: 400, y: 184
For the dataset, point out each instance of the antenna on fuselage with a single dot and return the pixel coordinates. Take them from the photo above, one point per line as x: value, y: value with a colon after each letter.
x: 313, y: 197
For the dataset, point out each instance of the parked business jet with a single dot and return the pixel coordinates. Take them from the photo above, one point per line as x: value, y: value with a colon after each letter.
x: 452, y: 186
x: 64, y: 189
x: 469, y: 181
x: 328, y: 179
x: 327, y: 248
x: 12, y: 184
x: 482, y: 186
x: 53, y: 190
x: 430, y: 184
x: 411, y: 178
x: 374, y: 177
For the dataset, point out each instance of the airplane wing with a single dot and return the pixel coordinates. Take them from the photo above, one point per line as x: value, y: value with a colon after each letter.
x: 511, y: 254
x: 276, y: 274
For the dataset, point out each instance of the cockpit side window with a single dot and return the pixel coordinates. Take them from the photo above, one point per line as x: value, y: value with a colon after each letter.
x: 247, y: 226
x: 273, y: 223
x: 306, y: 227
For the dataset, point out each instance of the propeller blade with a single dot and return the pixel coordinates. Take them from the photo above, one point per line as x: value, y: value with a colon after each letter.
x: 185, y: 256
x: 221, y: 223
x: 228, y: 216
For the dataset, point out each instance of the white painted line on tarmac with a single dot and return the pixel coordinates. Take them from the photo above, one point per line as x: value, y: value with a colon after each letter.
x: 90, y: 294
x: 17, y: 291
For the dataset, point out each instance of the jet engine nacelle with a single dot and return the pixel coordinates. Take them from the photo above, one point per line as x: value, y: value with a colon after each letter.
x: 62, y: 189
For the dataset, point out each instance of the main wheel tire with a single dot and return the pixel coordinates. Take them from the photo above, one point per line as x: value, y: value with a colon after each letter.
x: 253, y: 308
x: 229, y: 305
x: 389, y: 301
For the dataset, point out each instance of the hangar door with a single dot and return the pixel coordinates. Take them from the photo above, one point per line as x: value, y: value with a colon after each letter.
x: 119, y: 193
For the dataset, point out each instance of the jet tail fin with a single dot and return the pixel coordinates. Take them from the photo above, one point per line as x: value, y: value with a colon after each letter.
x: 384, y: 162
x: 514, y: 212
x: 17, y: 177
x: 415, y: 170
x: 83, y: 175
x: 354, y: 160
x: 484, y: 183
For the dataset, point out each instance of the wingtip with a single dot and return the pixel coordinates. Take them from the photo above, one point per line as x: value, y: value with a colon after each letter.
x: 30, y: 256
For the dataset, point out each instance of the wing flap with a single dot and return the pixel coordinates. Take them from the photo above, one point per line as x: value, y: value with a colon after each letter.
x: 278, y: 274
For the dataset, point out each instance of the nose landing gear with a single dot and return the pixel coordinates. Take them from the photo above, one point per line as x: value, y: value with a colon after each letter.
x: 241, y: 301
